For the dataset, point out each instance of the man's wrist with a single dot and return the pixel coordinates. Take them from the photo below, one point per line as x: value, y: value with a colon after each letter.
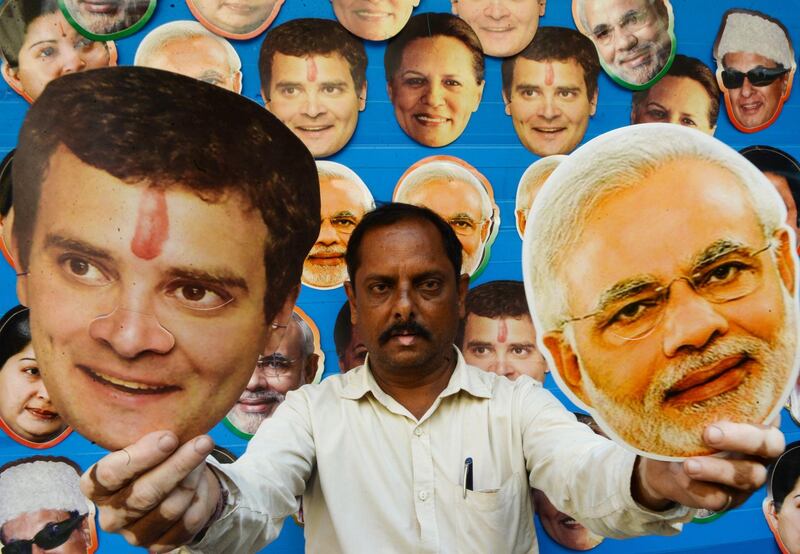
x: 222, y: 500
x: 641, y: 491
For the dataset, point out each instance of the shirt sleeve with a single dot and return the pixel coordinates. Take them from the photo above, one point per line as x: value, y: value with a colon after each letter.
x: 583, y: 474
x: 265, y: 483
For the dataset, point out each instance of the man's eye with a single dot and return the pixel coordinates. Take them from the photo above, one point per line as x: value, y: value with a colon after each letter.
x: 83, y: 271
x: 198, y: 297
x: 528, y: 92
x: 567, y: 93
x: 343, y: 222
x: 461, y: 224
x: 521, y: 350
x: 289, y: 91
x: 378, y: 288
x: 723, y: 274
x: 602, y: 35
x: 430, y: 285
x: 634, y: 311
x: 330, y: 89
x: 480, y: 350
x: 84, y: 44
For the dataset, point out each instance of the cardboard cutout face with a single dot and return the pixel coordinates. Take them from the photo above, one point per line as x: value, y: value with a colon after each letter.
x: 676, y: 100
x: 634, y: 38
x: 241, y: 20
x: 781, y: 507
x: 459, y: 194
x: 51, y: 47
x: 689, y: 315
x: 187, y: 48
x: 755, y: 67
x: 504, y: 27
x: 373, y: 20
x: 110, y: 19
x: 297, y: 361
x: 344, y: 200
x: 529, y: 186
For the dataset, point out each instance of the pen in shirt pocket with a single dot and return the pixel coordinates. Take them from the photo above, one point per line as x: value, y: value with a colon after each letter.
x: 467, y: 477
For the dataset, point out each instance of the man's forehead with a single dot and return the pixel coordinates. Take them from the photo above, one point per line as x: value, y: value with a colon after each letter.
x: 527, y: 70
x: 324, y: 61
x: 443, y: 190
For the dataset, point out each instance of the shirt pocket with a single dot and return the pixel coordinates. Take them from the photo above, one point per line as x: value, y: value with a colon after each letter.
x: 494, y: 521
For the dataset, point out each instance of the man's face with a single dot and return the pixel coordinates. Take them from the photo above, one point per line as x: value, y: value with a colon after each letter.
x: 201, y: 58
x: 105, y: 17
x: 405, y: 297
x: 787, y: 520
x: 549, y: 105
x: 702, y: 361
x: 460, y: 205
x: 25, y: 527
x: 753, y: 106
x: 631, y: 37
x: 505, y: 345
x: 435, y: 90
x: 316, y: 98
x: 147, y: 301
x: 678, y: 100
x: 355, y: 353
x: 373, y: 19
x: 24, y: 403
x: 52, y: 48
x: 275, y: 375
x: 562, y: 528
x: 342, y: 205
x: 239, y: 17
x: 504, y: 27
x: 782, y: 186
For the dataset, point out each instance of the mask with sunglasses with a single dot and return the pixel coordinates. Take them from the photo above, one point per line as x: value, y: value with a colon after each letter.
x: 52, y: 535
x: 759, y: 76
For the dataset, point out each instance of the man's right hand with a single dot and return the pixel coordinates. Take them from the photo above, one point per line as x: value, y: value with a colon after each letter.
x: 154, y: 493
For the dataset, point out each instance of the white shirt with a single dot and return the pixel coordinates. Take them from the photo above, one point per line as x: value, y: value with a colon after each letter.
x: 375, y: 479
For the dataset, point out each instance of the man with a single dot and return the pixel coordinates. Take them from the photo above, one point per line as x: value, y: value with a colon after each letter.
x: 43, y: 509
x: 371, y: 19
x: 240, y: 20
x: 498, y: 333
x: 178, y: 260
x: 289, y: 367
x: 755, y: 67
x: 529, y: 186
x: 457, y: 195
x: 550, y: 90
x: 387, y: 443
x: 313, y: 78
x: 686, y: 95
x: 633, y: 37
x: 689, y: 315
x: 188, y: 48
x: 783, y: 171
x: 344, y: 199
x: 108, y: 17
x: 504, y: 27
x: 350, y: 349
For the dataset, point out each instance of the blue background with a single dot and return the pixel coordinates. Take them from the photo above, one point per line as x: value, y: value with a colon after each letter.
x: 380, y: 152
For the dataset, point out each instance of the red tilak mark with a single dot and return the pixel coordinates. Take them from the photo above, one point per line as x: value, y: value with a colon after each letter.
x: 311, y: 69
x: 549, y: 76
x: 502, y: 331
x: 152, y: 224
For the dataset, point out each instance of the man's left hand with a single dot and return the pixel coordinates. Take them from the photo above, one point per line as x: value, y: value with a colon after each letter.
x: 711, y: 482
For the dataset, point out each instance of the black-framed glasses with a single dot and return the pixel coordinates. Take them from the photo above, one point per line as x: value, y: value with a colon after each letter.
x: 726, y: 278
x: 52, y: 535
x: 758, y: 76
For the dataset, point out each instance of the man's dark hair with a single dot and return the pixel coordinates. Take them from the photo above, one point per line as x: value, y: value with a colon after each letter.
x: 15, y: 17
x: 557, y: 44
x: 430, y: 25
x: 141, y: 124
x: 494, y: 300
x: 772, y: 160
x: 691, y: 68
x: 342, y: 330
x: 391, y: 214
x: 312, y: 37
x: 783, y: 474
x: 15, y: 333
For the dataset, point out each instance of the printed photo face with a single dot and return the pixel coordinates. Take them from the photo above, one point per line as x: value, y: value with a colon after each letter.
x: 632, y: 36
x: 149, y: 301
x: 672, y: 335
x: 549, y: 105
x: 317, y: 99
x: 503, y: 345
x: 107, y: 17
x: 435, y: 90
x: 561, y: 527
x: 242, y: 19
x: 52, y: 48
x: 504, y: 27
x: 373, y: 19
x: 752, y: 105
x: 678, y: 100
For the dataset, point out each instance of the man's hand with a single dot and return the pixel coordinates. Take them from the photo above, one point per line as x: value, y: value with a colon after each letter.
x: 153, y: 493
x: 711, y: 482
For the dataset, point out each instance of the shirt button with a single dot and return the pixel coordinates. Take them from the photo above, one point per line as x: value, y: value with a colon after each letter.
x: 423, y: 495
x: 418, y: 431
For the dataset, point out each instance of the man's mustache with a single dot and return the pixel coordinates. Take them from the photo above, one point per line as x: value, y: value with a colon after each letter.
x: 404, y: 327
x: 262, y: 395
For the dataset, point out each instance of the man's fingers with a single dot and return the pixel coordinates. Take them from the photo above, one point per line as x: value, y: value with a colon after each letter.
x: 763, y: 441
x: 741, y: 474
x: 116, y: 470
